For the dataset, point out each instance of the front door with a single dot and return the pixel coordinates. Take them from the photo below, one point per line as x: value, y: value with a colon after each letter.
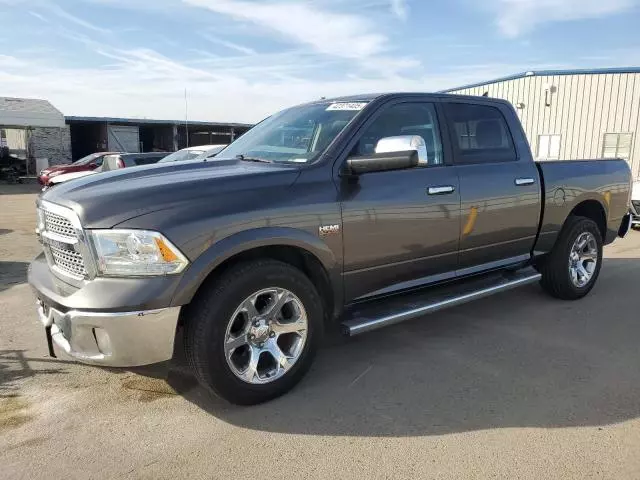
x: 400, y: 228
x: 500, y: 190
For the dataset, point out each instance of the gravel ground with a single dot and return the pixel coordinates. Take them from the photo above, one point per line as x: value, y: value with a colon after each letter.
x: 514, y: 386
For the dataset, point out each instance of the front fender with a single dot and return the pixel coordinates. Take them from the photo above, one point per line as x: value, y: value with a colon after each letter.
x: 247, y: 240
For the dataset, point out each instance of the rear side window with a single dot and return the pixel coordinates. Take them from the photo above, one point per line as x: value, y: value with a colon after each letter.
x: 480, y: 134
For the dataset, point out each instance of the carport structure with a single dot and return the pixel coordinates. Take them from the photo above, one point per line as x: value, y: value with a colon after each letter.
x: 93, y: 134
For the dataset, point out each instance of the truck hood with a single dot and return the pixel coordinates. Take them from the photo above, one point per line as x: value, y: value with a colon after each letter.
x: 109, y: 198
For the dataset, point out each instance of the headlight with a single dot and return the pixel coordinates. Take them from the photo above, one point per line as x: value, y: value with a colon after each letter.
x: 127, y: 253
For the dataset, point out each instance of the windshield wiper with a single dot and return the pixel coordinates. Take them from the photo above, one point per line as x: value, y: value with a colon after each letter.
x: 252, y: 159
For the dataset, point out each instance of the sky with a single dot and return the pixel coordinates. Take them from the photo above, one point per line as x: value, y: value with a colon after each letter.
x: 241, y: 60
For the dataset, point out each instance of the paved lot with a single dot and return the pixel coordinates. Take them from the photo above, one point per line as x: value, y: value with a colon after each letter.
x: 514, y: 386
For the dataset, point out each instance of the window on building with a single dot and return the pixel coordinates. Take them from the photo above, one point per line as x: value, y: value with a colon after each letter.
x: 481, y: 134
x: 617, y: 145
x: 548, y: 147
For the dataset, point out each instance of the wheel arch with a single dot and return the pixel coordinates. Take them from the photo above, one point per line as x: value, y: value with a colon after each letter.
x: 593, y: 210
x: 295, y: 247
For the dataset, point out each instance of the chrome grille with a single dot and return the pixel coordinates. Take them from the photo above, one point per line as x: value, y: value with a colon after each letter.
x: 68, y: 261
x: 59, y: 225
x: 63, y: 246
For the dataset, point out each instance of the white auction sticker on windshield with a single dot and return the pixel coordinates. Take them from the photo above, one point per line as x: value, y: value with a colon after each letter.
x: 349, y: 106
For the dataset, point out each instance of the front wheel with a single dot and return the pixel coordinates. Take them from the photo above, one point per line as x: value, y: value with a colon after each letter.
x: 572, y: 268
x: 252, y: 334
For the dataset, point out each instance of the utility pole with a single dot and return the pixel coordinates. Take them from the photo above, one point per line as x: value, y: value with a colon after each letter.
x: 186, y: 116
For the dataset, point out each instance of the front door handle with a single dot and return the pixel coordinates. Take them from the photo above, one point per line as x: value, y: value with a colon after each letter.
x: 441, y: 190
x: 521, y: 182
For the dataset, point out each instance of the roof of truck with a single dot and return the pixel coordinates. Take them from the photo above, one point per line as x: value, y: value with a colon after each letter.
x: 369, y: 97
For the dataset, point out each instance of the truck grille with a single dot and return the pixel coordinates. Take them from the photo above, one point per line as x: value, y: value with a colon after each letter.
x: 59, y: 225
x: 68, y: 261
x: 636, y: 206
x: 62, y: 246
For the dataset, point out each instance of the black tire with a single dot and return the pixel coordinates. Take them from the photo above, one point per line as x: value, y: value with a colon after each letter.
x: 556, y: 279
x: 208, y: 316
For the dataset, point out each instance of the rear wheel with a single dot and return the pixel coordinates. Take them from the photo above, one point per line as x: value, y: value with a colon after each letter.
x: 253, y: 333
x: 572, y: 268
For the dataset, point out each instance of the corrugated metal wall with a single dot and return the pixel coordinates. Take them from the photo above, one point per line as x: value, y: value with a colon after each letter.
x: 582, y: 110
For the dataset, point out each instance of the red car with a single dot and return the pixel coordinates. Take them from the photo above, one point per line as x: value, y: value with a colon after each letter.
x: 90, y: 162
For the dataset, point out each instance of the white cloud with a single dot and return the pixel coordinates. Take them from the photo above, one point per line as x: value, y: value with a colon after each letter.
x: 400, y: 9
x: 327, y: 32
x: 38, y: 16
x: 231, y: 45
x: 57, y: 10
x: 517, y: 17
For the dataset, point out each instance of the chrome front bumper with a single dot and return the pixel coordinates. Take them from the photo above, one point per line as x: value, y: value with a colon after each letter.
x: 125, y: 339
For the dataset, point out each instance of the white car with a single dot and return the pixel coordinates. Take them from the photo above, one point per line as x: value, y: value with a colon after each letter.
x: 635, y: 205
x: 193, y: 153
x: 68, y: 176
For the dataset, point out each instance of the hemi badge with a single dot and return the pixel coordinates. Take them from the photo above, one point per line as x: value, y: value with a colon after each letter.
x: 328, y: 230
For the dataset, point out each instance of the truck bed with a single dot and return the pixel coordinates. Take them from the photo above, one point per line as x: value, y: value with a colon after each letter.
x: 567, y: 183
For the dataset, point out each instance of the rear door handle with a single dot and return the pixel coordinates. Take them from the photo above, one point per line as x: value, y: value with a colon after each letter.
x: 441, y: 190
x: 521, y: 182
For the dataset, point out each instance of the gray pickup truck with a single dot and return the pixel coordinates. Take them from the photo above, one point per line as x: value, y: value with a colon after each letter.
x: 359, y: 212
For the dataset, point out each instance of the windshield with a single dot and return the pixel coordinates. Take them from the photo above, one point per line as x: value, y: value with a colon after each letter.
x: 182, y: 155
x: 88, y: 159
x: 299, y: 134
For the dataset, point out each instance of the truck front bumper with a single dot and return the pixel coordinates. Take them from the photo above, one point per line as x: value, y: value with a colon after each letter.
x: 106, y: 321
x: 123, y: 339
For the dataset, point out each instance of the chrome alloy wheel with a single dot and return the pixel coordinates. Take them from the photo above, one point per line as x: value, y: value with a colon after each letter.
x: 583, y: 259
x: 265, y: 335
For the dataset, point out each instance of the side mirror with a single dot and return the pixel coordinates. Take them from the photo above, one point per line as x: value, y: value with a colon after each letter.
x: 403, y: 143
x: 391, y: 153
x: 381, y: 162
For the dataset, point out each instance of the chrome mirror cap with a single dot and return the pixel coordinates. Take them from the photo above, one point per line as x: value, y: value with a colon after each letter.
x: 404, y: 143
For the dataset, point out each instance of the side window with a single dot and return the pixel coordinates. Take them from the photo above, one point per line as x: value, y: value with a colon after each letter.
x: 404, y: 119
x: 480, y: 133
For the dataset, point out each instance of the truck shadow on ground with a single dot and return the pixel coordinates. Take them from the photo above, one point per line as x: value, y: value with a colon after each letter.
x: 12, y: 273
x: 519, y: 359
x: 15, y: 366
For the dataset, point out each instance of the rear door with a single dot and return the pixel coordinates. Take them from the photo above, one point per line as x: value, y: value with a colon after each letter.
x: 499, y: 189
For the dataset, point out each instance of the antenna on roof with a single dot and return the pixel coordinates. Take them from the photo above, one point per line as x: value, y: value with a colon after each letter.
x: 186, y: 116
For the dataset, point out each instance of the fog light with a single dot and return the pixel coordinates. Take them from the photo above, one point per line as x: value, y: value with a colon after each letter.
x: 103, y: 341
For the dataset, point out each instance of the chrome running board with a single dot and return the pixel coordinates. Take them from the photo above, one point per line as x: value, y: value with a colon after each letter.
x: 391, y: 311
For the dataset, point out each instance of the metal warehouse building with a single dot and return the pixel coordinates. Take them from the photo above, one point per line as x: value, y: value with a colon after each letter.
x: 574, y: 114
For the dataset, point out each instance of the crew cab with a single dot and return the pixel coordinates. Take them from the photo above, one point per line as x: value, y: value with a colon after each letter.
x: 362, y: 211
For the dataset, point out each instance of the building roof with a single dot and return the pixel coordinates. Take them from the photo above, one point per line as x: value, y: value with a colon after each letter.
x: 548, y: 73
x: 146, y: 121
x: 29, y: 112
